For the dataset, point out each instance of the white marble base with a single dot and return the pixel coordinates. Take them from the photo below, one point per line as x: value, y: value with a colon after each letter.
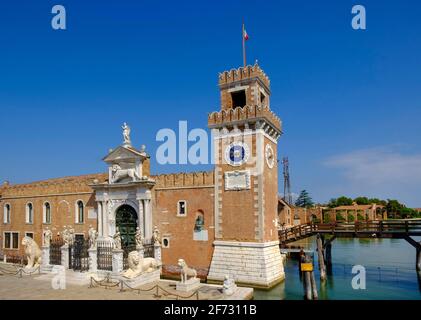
x: 190, y: 285
x: 250, y: 263
x: 145, y: 278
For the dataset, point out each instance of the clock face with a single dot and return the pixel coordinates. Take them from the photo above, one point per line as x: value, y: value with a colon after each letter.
x: 237, y: 153
x: 270, y: 156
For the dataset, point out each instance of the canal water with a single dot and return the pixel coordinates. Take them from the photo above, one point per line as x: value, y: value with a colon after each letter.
x: 389, y: 264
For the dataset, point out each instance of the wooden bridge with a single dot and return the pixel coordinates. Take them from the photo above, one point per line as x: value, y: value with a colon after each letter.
x: 370, y: 229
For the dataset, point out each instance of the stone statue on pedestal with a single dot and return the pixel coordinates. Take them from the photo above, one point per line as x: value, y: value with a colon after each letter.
x: 186, y: 272
x: 139, y: 238
x: 126, y: 134
x: 229, y: 286
x: 156, y: 236
x: 117, y: 240
x: 93, y: 235
x: 47, y: 237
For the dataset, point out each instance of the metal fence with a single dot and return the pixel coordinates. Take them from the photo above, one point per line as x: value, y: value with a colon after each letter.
x: 148, y: 249
x: 55, y: 251
x: 105, y: 255
x: 78, y: 255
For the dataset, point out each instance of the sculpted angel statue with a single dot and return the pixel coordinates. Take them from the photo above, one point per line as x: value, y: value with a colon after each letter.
x: 156, y: 236
x: 47, y: 237
x: 126, y: 133
x: 117, y: 239
x: 139, y: 238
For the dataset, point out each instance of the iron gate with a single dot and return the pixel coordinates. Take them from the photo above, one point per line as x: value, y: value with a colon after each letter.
x: 105, y: 255
x: 78, y: 255
x: 55, y: 251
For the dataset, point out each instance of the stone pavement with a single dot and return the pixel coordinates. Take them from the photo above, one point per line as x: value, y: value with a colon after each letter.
x: 40, y: 287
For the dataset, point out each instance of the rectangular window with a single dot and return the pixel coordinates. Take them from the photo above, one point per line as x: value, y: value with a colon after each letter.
x: 29, y: 234
x: 15, y: 237
x: 181, y: 210
x: 7, y: 240
x: 238, y: 98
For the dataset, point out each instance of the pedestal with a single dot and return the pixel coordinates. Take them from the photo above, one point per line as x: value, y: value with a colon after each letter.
x: 65, y: 256
x: 45, y: 260
x: 157, y: 251
x: 93, y: 259
x: 117, y: 261
x: 144, y: 278
x: 190, y: 285
x: 252, y: 263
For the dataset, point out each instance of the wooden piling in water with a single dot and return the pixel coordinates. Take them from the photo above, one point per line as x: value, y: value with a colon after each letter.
x: 314, y: 287
x: 321, y: 259
x: 307, y: 281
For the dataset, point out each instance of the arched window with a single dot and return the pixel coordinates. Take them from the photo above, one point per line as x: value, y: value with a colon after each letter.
x: 29, y: 213
x: 80, y: 212
x: 6, y: 213
x: 47, y: 212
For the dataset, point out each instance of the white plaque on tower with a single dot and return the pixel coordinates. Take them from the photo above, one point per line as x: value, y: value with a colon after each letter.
x: 237, y: 180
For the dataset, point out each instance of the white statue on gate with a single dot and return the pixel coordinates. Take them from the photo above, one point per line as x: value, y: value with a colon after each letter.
x: 32, y: 251
x: 66, y: 236
x: 118, y: 173
x: 126, y: 134
x: 139, y: 238
x: 139, y: 265
x: 186, y: 272
x: 48, y: 235
x: 156, y: 236
x: 93, y: 235
x: 117, y: 240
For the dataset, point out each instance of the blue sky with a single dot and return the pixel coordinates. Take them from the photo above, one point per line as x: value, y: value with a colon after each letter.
x: 350, y: 100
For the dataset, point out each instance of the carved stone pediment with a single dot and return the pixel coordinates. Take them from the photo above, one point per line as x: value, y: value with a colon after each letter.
x: 125, y: 154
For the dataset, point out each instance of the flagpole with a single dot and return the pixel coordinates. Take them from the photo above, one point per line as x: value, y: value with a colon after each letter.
x: 244, y: 47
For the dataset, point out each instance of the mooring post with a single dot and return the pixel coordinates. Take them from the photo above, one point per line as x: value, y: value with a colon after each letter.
x: 314, y: 286
x: 418, y: 259
x: 321, y: 258
x: 307, y: 284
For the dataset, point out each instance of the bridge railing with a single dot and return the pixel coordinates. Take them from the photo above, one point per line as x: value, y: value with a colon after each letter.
x: 400, y: 227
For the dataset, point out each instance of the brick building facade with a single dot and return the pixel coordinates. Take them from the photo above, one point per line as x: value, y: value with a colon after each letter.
x: 223, y: 221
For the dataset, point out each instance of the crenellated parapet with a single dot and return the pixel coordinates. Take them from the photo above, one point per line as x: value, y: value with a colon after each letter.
x: 76, y: 184
x: 240, y: 116
x: 180, y: 180
x: 244, y: 73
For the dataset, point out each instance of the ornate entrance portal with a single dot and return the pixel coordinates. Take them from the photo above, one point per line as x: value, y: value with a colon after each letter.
x: 126, y: 222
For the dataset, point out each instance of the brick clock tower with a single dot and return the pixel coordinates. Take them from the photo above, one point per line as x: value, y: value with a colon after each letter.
x: 245, y: 134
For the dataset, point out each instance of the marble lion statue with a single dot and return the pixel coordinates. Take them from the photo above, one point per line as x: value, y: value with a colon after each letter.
x: 32, y: 252
x: 118, y: 173
x: 186, y: 272
x: 139, y: 265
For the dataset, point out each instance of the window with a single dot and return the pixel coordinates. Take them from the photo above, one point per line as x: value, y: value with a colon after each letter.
x: 165, y: 242
x: 29, y: 234
x: 262, y: 98
x: 6, y: 213
x: 11, y: 240
x: 80, y: 212
x: 181, y: 208
x: 238, y: 99
x: 47, y: 213
x: 29, y: 213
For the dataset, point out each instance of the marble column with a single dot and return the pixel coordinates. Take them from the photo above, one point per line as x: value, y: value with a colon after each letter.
x: 141, y: 218
x: 105, y: 219
x: 117, y: 261
x: 148, y: 219
x: 100, y: 218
